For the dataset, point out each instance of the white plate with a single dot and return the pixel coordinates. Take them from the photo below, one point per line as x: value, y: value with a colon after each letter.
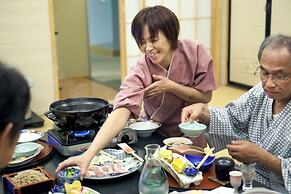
x: 118, y: 154
x: 25, y: 160
x: 260, y: 190
x: 27, y: 135
x: 87, y: 190
x: 177, y: 141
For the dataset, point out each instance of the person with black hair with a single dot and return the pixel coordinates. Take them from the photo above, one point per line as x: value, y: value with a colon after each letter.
x: 14, y: 101
x: 170, y: 75
x: 256, y: 128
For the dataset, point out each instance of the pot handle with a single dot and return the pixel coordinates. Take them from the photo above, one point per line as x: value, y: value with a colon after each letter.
x: 50, y: 115
x: 110, y: 108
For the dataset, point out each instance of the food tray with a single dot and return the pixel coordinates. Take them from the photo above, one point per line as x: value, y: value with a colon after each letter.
x: 46, y: 185
x: 183, y: 180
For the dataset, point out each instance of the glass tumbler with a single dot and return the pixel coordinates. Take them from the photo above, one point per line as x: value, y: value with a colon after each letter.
x: 248, y: 175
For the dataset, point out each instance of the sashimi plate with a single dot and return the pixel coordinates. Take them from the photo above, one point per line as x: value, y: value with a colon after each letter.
x: 112, y: 163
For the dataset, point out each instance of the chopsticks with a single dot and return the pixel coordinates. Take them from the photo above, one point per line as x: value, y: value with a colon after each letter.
x: 208, y: 153
x: 129, y: 150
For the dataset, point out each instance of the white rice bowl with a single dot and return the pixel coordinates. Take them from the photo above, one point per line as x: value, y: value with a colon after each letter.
x: 144, y: 128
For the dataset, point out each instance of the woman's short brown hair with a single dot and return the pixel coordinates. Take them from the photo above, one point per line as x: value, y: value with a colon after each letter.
x: 157, y: 18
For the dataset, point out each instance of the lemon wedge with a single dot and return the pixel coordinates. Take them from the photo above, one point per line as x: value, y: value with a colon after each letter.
x: 179, y: 165
x: 75, y: 186
x: 165, y: 153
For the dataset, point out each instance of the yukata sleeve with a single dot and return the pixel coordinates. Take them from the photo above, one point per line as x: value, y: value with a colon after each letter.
x: 131, y: 91
x: 230, y: 122
x: 204, y: 75
x: 286, y: 172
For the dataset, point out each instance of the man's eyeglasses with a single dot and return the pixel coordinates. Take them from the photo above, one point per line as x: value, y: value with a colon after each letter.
x: 279, y: 77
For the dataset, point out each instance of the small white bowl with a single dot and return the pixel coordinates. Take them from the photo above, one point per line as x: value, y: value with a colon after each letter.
x: 192, y: 129
x: 25, y: 149
x: 177, y: 141
x: 144, y: 128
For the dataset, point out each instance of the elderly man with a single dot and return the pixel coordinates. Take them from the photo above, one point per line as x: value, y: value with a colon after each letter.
x: 14, y: 100
x: 256, y: 128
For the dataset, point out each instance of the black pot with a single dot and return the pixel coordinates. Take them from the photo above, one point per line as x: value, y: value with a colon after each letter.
x: 79, y: 114
x: 223, y: 166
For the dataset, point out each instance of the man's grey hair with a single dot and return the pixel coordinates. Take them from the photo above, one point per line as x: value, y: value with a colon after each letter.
x: 275, y: 42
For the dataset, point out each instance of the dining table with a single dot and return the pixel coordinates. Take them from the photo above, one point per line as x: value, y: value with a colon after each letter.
x: 125, y: 184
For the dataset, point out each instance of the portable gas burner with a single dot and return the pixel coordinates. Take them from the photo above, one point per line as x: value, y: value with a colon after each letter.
x: 70, y: 143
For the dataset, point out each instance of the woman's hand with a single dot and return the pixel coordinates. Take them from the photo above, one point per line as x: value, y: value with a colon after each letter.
x: 81, y: 160
x: 198, y: 112
x: 161, y: 85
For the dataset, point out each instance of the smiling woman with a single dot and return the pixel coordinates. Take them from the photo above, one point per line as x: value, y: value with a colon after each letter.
x: 171, y: 73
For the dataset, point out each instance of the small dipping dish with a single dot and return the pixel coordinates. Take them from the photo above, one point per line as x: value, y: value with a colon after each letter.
x: 25, y: 149
x: 68, y: 175
x: 192, y: 129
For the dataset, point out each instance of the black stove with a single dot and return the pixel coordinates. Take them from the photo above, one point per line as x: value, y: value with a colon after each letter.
x: 69, y: 138
x: 70, y: 143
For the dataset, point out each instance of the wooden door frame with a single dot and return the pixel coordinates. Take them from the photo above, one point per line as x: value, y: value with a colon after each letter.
x: 122, y: 38
x: 53, y: 49
x: 220, y: 64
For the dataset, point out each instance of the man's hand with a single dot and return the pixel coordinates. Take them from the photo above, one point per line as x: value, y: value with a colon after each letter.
x: 198, y: 112
x: 247, y: 152
x: 244, y: 151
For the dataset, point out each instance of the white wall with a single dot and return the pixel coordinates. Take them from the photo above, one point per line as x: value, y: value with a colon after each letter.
x: 280, y: 17
x: 194, y: 17
x: 25, y: 45
x: 247, y: 33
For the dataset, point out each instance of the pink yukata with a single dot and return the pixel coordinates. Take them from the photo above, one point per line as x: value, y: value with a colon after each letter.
x: 191, y: 66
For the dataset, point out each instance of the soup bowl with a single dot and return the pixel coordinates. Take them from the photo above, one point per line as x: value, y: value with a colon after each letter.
x: 192, y: 129
x: 144, y: 128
